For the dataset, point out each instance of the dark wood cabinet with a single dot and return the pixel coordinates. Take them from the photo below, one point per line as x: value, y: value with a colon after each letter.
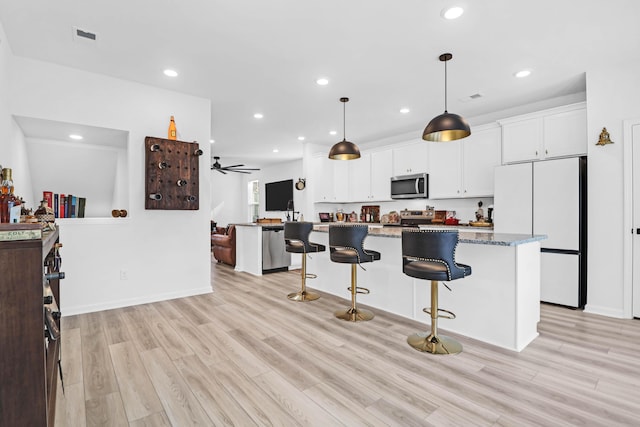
x: 28, y: 353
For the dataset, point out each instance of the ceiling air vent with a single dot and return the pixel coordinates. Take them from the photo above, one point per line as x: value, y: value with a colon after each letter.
x: 83, y: 36
x: 471, y: 97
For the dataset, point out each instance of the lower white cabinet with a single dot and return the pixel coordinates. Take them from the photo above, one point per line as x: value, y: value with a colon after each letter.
x: 369, y: 177
x: 465, y: 167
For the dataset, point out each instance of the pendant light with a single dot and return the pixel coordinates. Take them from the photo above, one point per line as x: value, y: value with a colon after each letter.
x: 446, y: 126
x: 344, y: 150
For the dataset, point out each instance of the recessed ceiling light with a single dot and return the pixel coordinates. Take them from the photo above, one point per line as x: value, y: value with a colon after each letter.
x: 522, y: 73
x: 333, y: 132
x: 76, y: 137
x: 322, y: 81
x: 275, y: 150
x: 258, y: 116
x: 452, y: 12
x: 212, y: 141
x: 301, y: 138
x: 404, y: 110
x: 170, y: 73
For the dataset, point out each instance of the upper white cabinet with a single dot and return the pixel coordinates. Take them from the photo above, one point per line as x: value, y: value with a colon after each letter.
x: 480, y: 156
x: 330, y: 179
x: 558, y: 132
x: 445, y: 169
x: 369, y: 177
x: 410, y: 159
x: 465, y: 168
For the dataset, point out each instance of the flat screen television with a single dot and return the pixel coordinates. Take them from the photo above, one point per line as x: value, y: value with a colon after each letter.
x: 278, y: 194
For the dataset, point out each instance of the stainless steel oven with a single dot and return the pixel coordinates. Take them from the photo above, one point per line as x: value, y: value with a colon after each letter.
x: 414, y: 186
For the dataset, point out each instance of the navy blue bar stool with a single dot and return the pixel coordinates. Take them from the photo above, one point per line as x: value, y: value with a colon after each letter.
x: 430, y: 255
x: 346, y: 246
x: 296, y: 237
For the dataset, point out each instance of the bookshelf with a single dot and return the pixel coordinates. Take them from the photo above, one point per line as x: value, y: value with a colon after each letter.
x: 29, y: 356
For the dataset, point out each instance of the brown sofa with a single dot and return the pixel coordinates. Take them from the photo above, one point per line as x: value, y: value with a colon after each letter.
x: 223, y: 244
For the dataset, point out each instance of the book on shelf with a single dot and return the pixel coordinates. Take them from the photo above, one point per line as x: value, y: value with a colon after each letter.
x: 67, y: 206
x: 82, y: 201
x: 62, y: 205
x: 48, y: 196
x: 74, y: 207
x: 56, y: 206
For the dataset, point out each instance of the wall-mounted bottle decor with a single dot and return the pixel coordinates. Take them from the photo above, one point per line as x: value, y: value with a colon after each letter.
x: 171, y: 174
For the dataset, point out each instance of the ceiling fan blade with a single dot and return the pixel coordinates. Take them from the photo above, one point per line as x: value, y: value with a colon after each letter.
x: 232, y: 168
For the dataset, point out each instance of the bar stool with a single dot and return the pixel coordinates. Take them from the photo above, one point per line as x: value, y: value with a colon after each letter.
x: 346, y: 247
x: 296, y: 237
x: 430, y: 255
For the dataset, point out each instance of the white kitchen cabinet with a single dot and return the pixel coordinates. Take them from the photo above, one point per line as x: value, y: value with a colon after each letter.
x: 410, y: 159
x: 369, y: 177
x: 360, y: 178
x: 558, y: 132
x: 445, y: 169
x: 521, y: 140
x: 565, y: 134
x: 340, y: 180
x: 465, y: 167
x: 321, y: 183
x: 381, y: 172
x: 480, y: 156
x: 330, y: 180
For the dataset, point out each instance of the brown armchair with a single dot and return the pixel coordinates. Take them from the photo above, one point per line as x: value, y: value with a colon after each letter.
x: 223, y: 244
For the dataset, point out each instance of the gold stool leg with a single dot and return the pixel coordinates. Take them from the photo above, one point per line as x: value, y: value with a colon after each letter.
x: 303, y: 295
x: 434, y: 343
x: 354, y: 314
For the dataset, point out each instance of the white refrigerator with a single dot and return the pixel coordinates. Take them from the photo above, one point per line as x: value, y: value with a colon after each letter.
x: 549, y: 197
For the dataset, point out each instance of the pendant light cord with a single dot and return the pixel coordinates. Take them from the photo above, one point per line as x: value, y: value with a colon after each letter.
x: 344, y: 121
x: 445, y: 86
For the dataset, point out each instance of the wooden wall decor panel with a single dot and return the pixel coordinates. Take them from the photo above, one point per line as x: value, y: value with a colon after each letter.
x: 171, y: 174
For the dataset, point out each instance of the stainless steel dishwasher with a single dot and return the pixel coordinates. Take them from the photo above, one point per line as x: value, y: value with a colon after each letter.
x: 274, y: 254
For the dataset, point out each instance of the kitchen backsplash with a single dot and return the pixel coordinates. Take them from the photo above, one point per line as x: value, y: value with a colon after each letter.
x: 465, y: 208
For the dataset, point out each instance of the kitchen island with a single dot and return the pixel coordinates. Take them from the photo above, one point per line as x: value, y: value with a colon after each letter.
x: 498, y: 304
x: 260, y: 248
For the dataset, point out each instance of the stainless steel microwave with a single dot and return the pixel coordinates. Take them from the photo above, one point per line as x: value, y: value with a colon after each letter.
x: 414, y: 186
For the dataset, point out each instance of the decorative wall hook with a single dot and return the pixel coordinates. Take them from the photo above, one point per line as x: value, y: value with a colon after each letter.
x: 604, y: 138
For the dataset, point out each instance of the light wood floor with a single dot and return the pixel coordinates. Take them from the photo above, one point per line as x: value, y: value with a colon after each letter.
x: 245, y: 355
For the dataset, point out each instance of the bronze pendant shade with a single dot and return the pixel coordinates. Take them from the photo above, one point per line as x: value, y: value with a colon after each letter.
x: 344, y: 150
x: 446, y: 126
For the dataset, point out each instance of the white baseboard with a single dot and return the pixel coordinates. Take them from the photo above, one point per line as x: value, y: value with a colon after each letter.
x: 91, y: 308
x: 605, y: 311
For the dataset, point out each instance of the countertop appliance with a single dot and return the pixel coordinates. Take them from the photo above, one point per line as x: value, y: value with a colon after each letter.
x: 274, y: 254
x: 549, y: 197
x: 414, y: 186
x: 414, y: 218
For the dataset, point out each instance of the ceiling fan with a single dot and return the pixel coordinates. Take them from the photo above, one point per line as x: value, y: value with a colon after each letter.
x: 233, y: 168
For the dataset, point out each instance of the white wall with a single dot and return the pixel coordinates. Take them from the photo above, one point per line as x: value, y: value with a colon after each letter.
x: 228, y: 198
x: 613, y: 95
x: 12, y: 143
x: 280, y: 172
x: 152, y: 254
x: 58, y: 165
